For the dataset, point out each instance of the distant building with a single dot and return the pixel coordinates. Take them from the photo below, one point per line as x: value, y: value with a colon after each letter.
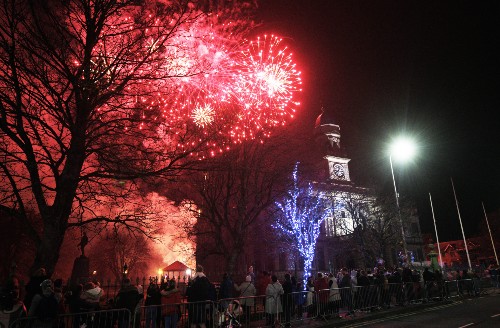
x: 481, y: 251
x: 339, y: 243
x: 453, y: 252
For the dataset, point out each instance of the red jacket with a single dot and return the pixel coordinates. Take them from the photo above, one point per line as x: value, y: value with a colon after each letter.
x: 262, y: 283
x: 170, y: 302
x: 322, y: 288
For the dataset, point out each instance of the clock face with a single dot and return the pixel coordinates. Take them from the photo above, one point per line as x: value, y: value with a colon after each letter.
x: 338, y: 170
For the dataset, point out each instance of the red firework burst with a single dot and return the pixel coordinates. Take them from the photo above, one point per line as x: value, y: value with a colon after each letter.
x: 266, y: 87
x: 243, y: 93
x: 211, y: 81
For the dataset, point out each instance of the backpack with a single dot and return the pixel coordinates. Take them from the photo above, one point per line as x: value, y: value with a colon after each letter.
x: 47, y: 308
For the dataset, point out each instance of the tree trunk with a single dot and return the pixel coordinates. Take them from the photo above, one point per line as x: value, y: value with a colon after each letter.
x: 232, y: 260
x: 47, y: 251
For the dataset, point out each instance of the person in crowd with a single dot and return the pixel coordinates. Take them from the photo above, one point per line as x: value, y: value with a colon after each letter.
x: 11, y: 307
x: 273, y: 301
x: 322, y: 290
x: 354, y: 278
x: 77, y: 305
x: 345, y: 291
x: 251, y: 274
x: 263, y: 280
x: 170, y: 304
x: 127, y: 298
x: 91, y: 296
x: 384, y: 290
x: 428, y: 283
x: 395, y: 279
x: 33, y: 286
x: 310, y: 303
x: 225, y: 291
x: 58, y: 289
x: 334, y: 296
x: 363, y: 295
x: 370, y: 276
x: 476, y: 285
x: 494, y: 274
x: 247, y: 292
x: 152, y: 304
x: 197, y: 294
x: 466, y: 281
x: 299, y: 297
x: 407, y: 277
x: 438, y: 277
x: 287, y: 299
x: 45, y: 306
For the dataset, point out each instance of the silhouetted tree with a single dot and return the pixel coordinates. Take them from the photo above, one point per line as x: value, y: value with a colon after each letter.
x: 230, y: 194
x: 79, y: 111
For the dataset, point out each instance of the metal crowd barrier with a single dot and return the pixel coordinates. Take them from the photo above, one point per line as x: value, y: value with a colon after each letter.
x: 260, y: 311
x: 120, y: 318
x: 176, y: 315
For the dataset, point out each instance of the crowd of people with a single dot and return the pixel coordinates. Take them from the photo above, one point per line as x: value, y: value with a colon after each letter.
x: 163, y: 303
x: 45, y: 300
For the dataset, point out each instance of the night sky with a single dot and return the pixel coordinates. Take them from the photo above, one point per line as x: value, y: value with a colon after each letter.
x: 429, y: 69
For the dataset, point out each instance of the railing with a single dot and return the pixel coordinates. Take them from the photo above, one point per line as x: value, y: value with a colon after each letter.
x: 260, y: 311
x: 93, y: 319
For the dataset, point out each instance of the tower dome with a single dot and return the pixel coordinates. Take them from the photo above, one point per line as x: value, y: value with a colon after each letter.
x: 325, y: 118
x: 325, y: 124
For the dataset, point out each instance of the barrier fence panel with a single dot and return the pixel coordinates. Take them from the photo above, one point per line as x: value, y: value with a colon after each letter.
x: 120, y: 318
x: 260, y: 311
x: 367, y: 298
x: 297, y: 307
x: 451, y: 288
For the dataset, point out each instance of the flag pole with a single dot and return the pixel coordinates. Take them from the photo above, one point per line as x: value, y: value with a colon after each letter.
x: 491, y: 237
x: 435, y: 229
x: 461, y: 226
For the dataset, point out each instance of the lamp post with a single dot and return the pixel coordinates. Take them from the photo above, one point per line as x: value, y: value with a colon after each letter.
x: 125, y: 270
x: 402, y: 150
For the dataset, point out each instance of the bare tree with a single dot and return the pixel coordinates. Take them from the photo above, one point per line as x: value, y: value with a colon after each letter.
x: 384, y: 233
x: 358, y: 204
x: 79, y: 117
x: 115, y: 249
x: 229, y: 195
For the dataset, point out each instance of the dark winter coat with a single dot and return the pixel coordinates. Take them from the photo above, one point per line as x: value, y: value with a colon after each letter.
x: 199, y: 289
x: 128, y: 297
x: 153, y: 296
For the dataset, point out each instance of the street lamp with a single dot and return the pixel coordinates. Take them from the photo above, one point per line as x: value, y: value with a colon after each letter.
x: 125, y: 270
x: 402, y: 150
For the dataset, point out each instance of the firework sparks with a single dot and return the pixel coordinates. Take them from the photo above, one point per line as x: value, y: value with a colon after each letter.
x: 205, y: 73
x: 203, y: 115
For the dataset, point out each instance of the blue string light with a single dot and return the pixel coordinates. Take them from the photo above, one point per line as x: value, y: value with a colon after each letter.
x: 303, y: 211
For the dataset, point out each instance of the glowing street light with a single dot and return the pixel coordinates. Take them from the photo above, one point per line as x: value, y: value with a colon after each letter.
x: 401, y: 150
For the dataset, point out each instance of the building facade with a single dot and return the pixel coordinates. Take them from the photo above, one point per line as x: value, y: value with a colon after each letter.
x: 360, y: 232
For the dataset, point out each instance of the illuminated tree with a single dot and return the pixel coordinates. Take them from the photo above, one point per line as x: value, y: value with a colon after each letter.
x: 83, y: 114
x: 302, y: 213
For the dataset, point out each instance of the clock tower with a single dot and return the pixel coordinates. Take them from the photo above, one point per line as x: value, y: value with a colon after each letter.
x: 327, y: 135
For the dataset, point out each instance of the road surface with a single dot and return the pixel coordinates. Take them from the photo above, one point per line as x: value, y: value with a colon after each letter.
x: 476, y: 312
